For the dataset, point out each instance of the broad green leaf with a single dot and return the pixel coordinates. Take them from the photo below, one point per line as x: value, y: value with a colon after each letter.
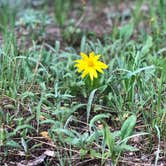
x: 108, y: 138
x: 125, y: 147
x: 24, y: 144
x: 13, y: 144
x: 76, y: 107
x: 83, y: 152
x: 65, y: 131
x: 95, y: 136
x: 130, y: 74
x: 27, y: 94
x: 83, y: 43
x: 158, y: 148
x: 116, y: 134
x: 89, y: 105
x: 2, y: 135
x: 96, y: 118
x: 132, y: 136
x: 95, y: 154
x: 128, y: 126
x: 126, y: 31
x: 147, y: 45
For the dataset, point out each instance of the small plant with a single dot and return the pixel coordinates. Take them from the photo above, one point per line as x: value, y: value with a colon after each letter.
x: 33, y: 22
x: 61, y: 11
x: 112, y: 145
x: 90, y: 65
x: 115, y: 143
x: 7, y: 15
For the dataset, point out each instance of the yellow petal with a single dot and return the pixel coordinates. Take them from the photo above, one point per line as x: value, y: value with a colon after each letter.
x: 84, y: 73
x: 79, y: 70
x: 91, y: 75
x: 95, y: 73
x: 84, y: 56
x: 97, y: 57
x: 77, y: 65
x: 92, y: 55
x: 99, y: 69
x: 102, y: 65
x: 78, y: 61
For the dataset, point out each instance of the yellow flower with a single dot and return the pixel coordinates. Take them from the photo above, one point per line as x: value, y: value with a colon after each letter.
x: 90, y: 65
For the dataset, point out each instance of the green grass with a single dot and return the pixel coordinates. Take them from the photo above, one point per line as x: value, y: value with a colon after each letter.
x: 7, y: 15
x: 41, y: 90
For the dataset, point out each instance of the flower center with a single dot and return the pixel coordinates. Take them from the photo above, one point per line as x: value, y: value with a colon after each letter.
x: 90, y: 63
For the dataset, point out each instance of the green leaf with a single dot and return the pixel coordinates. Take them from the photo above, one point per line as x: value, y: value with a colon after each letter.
x: 27, y: 94
x: 125, y: 147
x: 95, y: 154
x: 24, y: 144
x: 126, y: 31
x: 83, y: 152
x: 128, y: 126
x: 147, y: 45
x: 89, y: 105
x: 95, y: 136
x: 23, y: 127
x: 158, y: 148
x: 65, y: 132
x: 96, y: 118
x: 108, y: 138
x: 116, y: 134
x: 13, y: 144
x: 48, y: 121
x: 2, y: 136
x: 130, y: 74
x: 132, y: 136
x: 83, y: 44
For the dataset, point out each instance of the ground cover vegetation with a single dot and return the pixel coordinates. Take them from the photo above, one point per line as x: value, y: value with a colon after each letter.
x: 82, y: 82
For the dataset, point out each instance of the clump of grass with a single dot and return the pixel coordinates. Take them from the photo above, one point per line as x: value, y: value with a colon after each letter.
x: 61, y: 11
x: 7, y: 15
